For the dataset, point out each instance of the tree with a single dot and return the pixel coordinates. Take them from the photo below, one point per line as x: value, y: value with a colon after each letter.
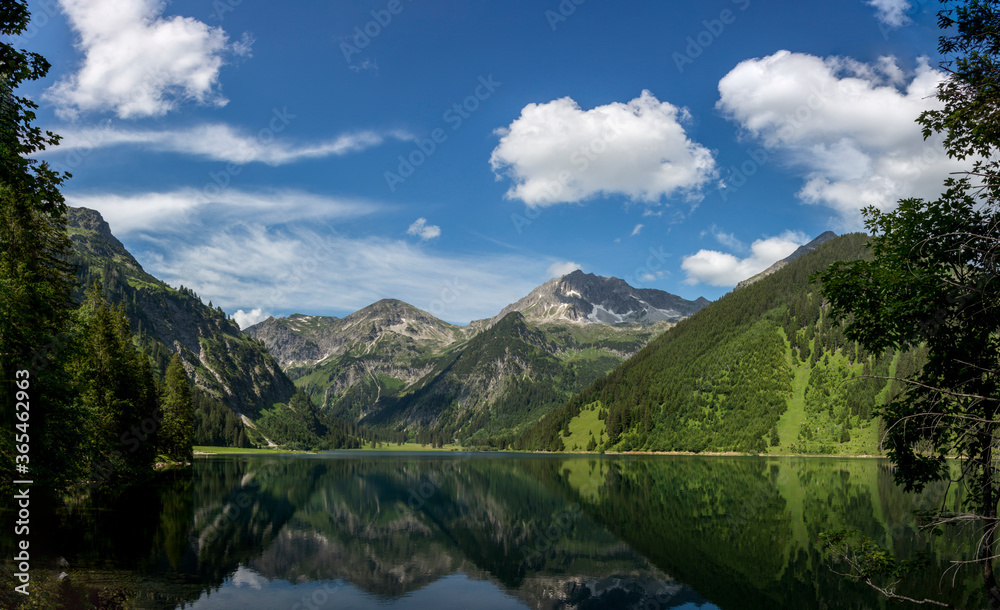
x: 18, y: 137
x: 117, y: 391
x: 35, y: 281
x: 932, y: 282
x: 177, y: 412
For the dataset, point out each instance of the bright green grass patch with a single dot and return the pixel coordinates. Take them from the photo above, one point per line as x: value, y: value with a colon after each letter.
x: 586, y: 476
x: 584, y: 427
x: 791, y: 420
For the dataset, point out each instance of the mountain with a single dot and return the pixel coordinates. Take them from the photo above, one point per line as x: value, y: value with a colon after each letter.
x: 389, y: 325
x: 400, y: 370
x: 237, y: 380
x: 822, y: 239
x: 585, y: 298
x: 221, y: 360
x: 764, y: 369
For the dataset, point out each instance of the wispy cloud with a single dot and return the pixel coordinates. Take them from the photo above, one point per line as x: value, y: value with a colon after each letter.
x: 728, y: 240
x: 637, y: 229
x: 251, y: 267
x: 892, y: 13
x: 220, y: 142
x: 176, y: 211
x: 261, y: 253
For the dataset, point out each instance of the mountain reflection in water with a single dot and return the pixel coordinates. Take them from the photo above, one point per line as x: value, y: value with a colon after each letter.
x: 402, y: 530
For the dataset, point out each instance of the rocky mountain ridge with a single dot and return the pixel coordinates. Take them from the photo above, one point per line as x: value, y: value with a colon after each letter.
x: 233, y: 368
x: 803, y: 249
x: 585, y: 298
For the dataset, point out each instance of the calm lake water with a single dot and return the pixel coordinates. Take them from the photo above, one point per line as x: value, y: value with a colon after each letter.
x: 368, y: 530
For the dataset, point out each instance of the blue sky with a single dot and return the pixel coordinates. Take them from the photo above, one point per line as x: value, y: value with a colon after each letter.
x: 315, y: 157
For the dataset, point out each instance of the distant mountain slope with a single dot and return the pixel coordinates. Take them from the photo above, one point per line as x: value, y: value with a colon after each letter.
x: 388, y: 325
x: 585, y: 298
x: 243, y: 395
x: 764, y: 368
x: 398, y: 369
x: 809, y: 247
x: 232, y: 367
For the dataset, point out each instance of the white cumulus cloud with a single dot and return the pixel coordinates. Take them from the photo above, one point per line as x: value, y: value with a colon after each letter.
x: 421, y: 229
x: 723, y: 269
x: 891, y: 12
x: 562, y: 268
x: 557, y: 152
x: 138, y: 63
x: 848, y: 127
x: 246, y: 319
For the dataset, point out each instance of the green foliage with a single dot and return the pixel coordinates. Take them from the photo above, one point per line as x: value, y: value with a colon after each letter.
x: 301, y: 425
x: 19, y: 139
x: 215, y: 424
x: 722, y: 379
x: 35, y: 280
x: 177, y: 411
x: 35, y: 310
x: 117, y: 391
x: 932, y: 283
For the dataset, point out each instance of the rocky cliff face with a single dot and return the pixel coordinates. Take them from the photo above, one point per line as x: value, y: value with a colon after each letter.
x: 584, y: 298
x: 236, y: 369
x: 388, y: 326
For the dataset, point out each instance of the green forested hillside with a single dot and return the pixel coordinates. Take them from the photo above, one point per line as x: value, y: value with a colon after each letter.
x: 234, y: 375
x: 762, y: 369
x: 488, y: 389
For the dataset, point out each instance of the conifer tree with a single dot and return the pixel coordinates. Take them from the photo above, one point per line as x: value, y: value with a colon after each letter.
x: 117, y: 391
x: 177, y: 412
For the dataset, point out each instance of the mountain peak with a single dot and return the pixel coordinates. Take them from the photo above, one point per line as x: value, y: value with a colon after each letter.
x: 822, y: 238
x: 92, y: 238
x: 586, y: 298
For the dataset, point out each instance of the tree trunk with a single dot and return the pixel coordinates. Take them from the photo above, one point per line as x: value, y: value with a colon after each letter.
x: 990, y: 515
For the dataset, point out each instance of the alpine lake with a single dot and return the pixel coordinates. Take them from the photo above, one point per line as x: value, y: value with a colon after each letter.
x: 487, y: 530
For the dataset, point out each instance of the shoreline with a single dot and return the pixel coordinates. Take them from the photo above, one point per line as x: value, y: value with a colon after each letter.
x: 200, y: 453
